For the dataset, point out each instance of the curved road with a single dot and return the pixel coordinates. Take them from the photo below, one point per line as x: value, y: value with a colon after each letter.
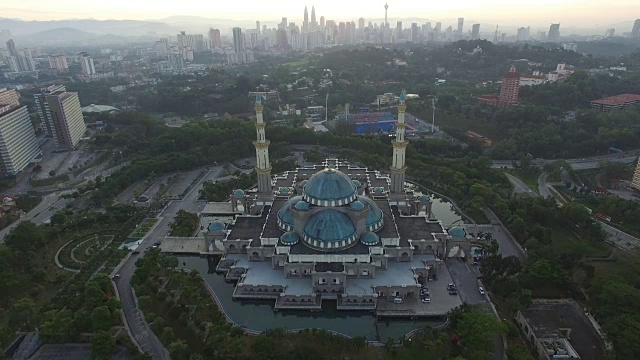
x: 139, y: 328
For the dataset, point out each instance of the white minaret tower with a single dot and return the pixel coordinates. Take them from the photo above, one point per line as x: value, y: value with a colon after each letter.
x: 398, y: 167
x: 263, y: 167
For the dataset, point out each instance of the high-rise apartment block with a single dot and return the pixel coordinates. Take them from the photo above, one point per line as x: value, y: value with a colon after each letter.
x: 554, y: 33
x: 58, y: 62
x: 238, y: 40
x: 19, y: 60
x: 60, y: 111
x: 86, y: 64
x: 635, y: 32
x: 214, y: 37
x: 510, y: 88
x: 475, y: 31
x: 18, y: 143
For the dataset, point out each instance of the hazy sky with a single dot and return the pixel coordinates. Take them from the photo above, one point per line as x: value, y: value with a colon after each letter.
x: 588, y: 13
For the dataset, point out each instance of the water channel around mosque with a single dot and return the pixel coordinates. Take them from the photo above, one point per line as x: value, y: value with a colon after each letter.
x: 259, y: 315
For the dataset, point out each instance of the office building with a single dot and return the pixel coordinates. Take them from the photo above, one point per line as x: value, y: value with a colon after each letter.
x: 238, y: 40
x: 635, y: 32
x: 258, y: 27
x: 62, y: 116
x: 58, y: 62
x: 305, y: 22
x: 398, y: 31
x: 243, y: 57
x: 475, y: 31
x: 523, y: 34
x: 361, y: 23
x: 18, y: 143
x: 460, y: 28
x: 214, y: 37
x: 86, y: 64
x: 554, y: 33
x: 414, y: 32
x: 609, y: 33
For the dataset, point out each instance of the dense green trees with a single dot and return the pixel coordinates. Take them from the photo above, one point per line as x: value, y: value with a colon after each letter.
x: 184, y: 224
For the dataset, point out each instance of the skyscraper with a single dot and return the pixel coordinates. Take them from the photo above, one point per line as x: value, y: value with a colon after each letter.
x: 554, y: 33
x: 314, y: 23
x: 610, y: 32
x: 510, y: 88
x: 19, y: 60
x: 214, y: 37
x: 238, y: 40
x: 305, y: 22
x: 460, y: 27
x: 321, y: 21
x: 523, y: 34
x: 414, y: 32
x: 11, y: 46
x: 635, y: 32
x: 475, y: 31
x: 398, y: 30
x: 65, y: 118
x: 361, y: 23
x: 18, y: 143
x: 258, y: 26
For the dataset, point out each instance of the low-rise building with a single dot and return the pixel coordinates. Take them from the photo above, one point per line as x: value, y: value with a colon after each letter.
x: 616, y: 103
x: 559, y: 329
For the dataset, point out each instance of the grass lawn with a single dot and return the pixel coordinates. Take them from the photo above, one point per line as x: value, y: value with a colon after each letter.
x: 143, y: 228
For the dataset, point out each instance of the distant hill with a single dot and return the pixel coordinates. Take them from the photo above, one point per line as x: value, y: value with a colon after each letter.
x: 61, y: 34
x: 99, y: 27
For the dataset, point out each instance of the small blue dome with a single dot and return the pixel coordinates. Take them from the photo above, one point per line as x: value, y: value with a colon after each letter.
x: 378, y: 190
x: 403, y: 95
x: 457, y: 232
x: 375, y: 214
x: 258, y: 99
x: 370, y: 238
x: 284, y: 215
x: 329, y: 225
x: 357, y: 205
x: 284, y: 190
x: 289, y: 238
x: 302, y: 205
x: 238, y: 193
x: 424, y: 199
x: 216, y: 226
x: 356, y: 183
x: 329, y: 185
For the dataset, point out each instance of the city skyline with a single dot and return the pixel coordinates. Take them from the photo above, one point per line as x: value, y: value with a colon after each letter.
x: 579, y: 13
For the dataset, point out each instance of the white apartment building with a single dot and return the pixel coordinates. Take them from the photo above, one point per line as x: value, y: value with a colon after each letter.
x: 18, y: 143
x: 86, y: 63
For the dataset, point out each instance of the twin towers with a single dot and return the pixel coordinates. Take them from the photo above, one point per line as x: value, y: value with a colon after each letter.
x: 398, y: 165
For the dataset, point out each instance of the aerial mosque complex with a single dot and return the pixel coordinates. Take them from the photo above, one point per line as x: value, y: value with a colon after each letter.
x: 337, y: 232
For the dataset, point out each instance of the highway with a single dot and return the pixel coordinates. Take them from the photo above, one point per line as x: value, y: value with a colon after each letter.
x: 519, y: 186
x: 579, y: 164
x: 139, y: 328
x: 49, y: 205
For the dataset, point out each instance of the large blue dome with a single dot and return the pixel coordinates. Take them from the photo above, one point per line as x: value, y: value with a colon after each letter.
x: 285, y: 217
x: 329, y: 229
x: 374, y: 217
x: 329, y: 187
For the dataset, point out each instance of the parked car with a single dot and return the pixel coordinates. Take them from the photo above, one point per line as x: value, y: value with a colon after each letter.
x: 451, y: 286
x: 426, y: 300
x: 135, y: 252
x: 398, y: 300
x: 116, y: 276
x: 481, y: 289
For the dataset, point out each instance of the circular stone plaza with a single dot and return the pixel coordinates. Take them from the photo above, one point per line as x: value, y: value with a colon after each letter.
x: 335, y: 232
